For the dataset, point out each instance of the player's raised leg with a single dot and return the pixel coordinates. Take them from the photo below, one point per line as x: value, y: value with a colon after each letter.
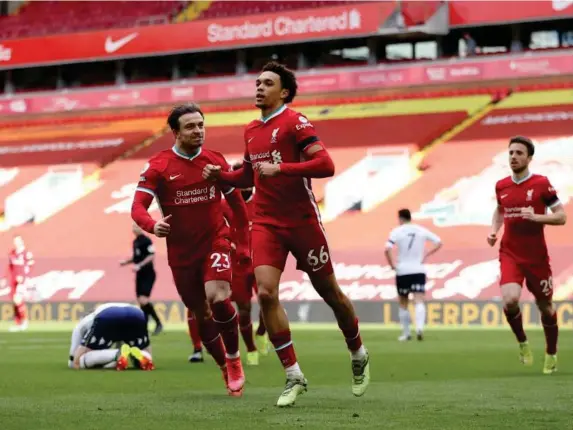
x: 195, y: 336
x: 190, y: 288
x: 310, y: 248
x: 510, y: 293
x: 217, y: 276
x: 268, y: 278
x: 328, y: 288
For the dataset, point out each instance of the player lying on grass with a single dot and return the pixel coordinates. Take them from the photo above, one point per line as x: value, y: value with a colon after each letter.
x: 94, y: 335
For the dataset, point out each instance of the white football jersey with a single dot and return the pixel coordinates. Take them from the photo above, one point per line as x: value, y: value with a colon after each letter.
x: 411, y: 241
x: 86, y: 323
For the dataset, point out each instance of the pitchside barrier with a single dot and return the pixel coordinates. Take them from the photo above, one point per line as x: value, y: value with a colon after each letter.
x: 439, y: 313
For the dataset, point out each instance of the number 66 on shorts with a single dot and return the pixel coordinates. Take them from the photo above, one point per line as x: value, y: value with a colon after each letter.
x: 307, y: 243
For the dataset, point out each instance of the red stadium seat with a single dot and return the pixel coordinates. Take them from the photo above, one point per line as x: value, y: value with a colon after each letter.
x: 39, y: 18
x: 223, y: 9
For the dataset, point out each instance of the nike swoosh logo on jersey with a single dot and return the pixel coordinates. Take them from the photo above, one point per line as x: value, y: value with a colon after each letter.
x: 111, y: 46
x: 222, y: 270
x: 504, y: 196
x: 172, y: 177
x: 315, y: 269
x: 249, y: 141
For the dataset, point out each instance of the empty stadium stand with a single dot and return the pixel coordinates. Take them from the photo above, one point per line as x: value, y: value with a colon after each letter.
x: 38, y: 18
x: 224, y: 9
x: 454, y: 195
x: 462, y: 141
x: 75, y: 142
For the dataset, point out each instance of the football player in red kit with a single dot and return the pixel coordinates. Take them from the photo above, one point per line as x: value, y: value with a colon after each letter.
x: 198, y: 238
x: 283, y: 151
x: 242, y: 287
x: 522, y: 202
x: 20, y: 262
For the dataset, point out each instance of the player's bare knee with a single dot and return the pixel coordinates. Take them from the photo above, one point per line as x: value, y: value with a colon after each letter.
x: 268, y: 294
x: 217, y: 291
x: 510, y: 295
x: 142, y: 300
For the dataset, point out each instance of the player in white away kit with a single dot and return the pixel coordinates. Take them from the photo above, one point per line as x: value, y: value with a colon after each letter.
x: 94, y: 335
x: 410, y: 272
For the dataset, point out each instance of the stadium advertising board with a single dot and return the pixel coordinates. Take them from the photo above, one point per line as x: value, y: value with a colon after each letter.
x: 235, y: 88
x: 439, y: 314
x: 473, y: 13
x: 202, y: 35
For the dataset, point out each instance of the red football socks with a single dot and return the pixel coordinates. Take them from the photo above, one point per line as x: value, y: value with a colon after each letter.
x: 194, y: 330
x: 212, y: 341
x: 352, y: 336
x: 551, y: 331
x: 19, y: 313
x: 515, y: 321
x: 284, y: 348
x: 225, y: 316
x: 246, y: 327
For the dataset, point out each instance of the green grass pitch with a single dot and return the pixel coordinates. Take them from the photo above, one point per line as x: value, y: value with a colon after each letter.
x: 455, y: 379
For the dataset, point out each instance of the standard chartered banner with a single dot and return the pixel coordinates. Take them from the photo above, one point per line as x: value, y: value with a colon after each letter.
x: 439, y: 314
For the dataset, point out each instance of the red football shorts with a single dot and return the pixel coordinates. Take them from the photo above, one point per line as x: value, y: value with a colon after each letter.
x: 190, y: 280
x: 243, y: 282
x: 537, y: 276
x: 271, y: 246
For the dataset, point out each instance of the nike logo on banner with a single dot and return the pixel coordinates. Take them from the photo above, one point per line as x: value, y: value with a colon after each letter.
x: 174, y: 177
x: 111, y: 46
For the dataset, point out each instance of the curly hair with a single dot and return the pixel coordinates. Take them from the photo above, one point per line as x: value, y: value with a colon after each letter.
x: 288, y: 79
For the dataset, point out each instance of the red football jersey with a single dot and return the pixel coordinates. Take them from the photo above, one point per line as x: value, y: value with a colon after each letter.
x: 19, y: 265
x: 523, y: 239
x: 283, y: 137
x: 176, y: 182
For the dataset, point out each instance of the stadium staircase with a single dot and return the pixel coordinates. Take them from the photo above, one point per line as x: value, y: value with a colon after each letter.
x: 192, y: 11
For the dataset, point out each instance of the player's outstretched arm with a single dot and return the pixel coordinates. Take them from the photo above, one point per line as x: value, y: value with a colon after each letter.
x: 241, y: 220
x: 318, y: 165
x: 140, y: 214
